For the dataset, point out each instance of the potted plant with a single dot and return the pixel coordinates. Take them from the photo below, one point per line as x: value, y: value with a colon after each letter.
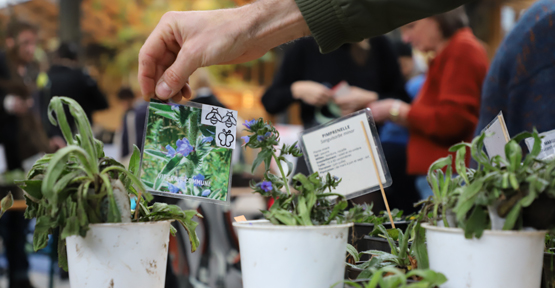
x: 499, y: 207
x: 366, y: 233
x: 304, y: 236
x: 86, y: 197
x: 391, y: 277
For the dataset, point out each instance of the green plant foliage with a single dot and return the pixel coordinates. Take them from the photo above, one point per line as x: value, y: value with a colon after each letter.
x: 181, y: 155
x: 511, y: 184
x: 6, y: 203
x: 78, y: 186
x: 402, y: 256
x: 391, y: 277
x: 313, y: 204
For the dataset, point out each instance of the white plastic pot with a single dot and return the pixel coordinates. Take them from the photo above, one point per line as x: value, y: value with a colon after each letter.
x: 119, y: 255
x: 499, y: 259
x: 279, y: 256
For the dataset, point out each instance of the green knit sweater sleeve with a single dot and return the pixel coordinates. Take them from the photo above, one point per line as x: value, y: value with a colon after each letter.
x: 335, y: 22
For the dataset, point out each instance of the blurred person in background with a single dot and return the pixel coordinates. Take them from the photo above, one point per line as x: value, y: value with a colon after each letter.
x: 446, y: 110
x: 520, y: 82
x: 21, y: 133
x: 369, y: 67
x: 394, y: 137
x: 131, y: 132
x: 67, y: 78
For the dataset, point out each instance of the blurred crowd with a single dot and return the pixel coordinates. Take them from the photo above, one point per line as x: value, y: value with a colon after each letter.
x: 428, y: 89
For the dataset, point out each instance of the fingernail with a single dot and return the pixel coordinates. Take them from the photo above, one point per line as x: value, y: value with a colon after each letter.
x: 163, y: 90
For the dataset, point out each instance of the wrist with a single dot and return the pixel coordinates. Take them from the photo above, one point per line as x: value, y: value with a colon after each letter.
x: 295, y: 90
x: 274, y: 22
x: 394, y: 111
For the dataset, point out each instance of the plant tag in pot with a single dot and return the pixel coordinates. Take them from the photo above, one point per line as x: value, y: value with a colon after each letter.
x: 497, y: 137
x: 348, y: 148
x: 548, y: 145
x: 188, y: 150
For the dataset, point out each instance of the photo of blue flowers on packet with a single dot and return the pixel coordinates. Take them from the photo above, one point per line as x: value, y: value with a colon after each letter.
x: 186, y: 156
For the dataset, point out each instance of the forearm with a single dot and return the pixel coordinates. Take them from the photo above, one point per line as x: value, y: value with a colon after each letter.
x: 334, y: 22
x: 274, y: 22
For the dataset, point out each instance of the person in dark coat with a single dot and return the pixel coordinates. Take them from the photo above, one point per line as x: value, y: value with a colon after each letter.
x: 21, y: 134
x: 66, y: 78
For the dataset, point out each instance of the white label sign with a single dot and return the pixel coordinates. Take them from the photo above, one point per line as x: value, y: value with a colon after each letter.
x: 497, y: 136
x: 548, y: 145
x: 342, y: 150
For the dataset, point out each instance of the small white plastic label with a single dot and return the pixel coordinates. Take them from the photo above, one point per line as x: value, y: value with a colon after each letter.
x: 548, y: 145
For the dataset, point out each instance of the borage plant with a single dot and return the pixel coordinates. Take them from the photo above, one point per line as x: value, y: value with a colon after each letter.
x: 314, y: 203
x: 78, y: 185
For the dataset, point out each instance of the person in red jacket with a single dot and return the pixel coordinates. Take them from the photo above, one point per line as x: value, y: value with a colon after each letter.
x: 446, y: 110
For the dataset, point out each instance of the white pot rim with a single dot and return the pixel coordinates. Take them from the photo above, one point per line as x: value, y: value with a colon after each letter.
x: 428, y: 226
x: 117, y: 225
x: 266, y: 225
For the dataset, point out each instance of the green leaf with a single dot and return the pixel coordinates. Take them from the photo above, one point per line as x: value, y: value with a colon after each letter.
x: 353, y: 252
x: 58, y: 165
x: 168, y: 168
x: 7, y: 202
x: 264, y: 155
x: 339, y: 207
x: 512, y: 217
x: 57, y: 107
x: 40, y: 240
x: 157, y: 154
x: 62, y: 254
x: 476, y: 223
x: 419, y: 246
x: 303, y: 212
x: 135, y: 161
x: 71, y: 228
x: 182, y: 115
x: 114, y: 215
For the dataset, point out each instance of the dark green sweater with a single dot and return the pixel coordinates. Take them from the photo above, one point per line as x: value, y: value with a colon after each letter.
x: 335, y: 22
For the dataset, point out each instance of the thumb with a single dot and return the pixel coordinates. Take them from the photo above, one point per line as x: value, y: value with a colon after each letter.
x: 175, y: 77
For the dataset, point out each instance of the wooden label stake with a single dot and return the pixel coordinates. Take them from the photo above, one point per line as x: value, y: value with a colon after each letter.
x: 378, y: 174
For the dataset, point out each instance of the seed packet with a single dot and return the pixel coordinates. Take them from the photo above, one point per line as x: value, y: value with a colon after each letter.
x: 187, y: 151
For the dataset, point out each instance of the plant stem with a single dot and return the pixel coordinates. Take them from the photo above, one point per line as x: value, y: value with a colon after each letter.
x: 282, y: 173
x: 444, y: 215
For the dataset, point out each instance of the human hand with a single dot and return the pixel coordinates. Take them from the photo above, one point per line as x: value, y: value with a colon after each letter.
x: 17, y: 105
x: 381, y: 111
x: 311, y: 93
x: 185, y: 41
x: 357, y: 99
x: 56, y: 143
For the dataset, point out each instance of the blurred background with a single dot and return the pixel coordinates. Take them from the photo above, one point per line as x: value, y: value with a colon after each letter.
x: 93, y: 45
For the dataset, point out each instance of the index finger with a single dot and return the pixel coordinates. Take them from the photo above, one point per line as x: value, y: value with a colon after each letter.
x: 150, y: 54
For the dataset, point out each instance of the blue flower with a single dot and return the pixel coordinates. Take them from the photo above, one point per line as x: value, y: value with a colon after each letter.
x: 182, y: 185
x: 266, y: 186
x: 171, y: 151
x: 336, y: 178
x: 206, y: 192
x: 261, y: 138
x: 175, y: 107
x: 249, y: 124
x: 198, y: 180
x: 184, y: 147
x: 246, y: 139
x: 207, y: 139
x: 173, y: 189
